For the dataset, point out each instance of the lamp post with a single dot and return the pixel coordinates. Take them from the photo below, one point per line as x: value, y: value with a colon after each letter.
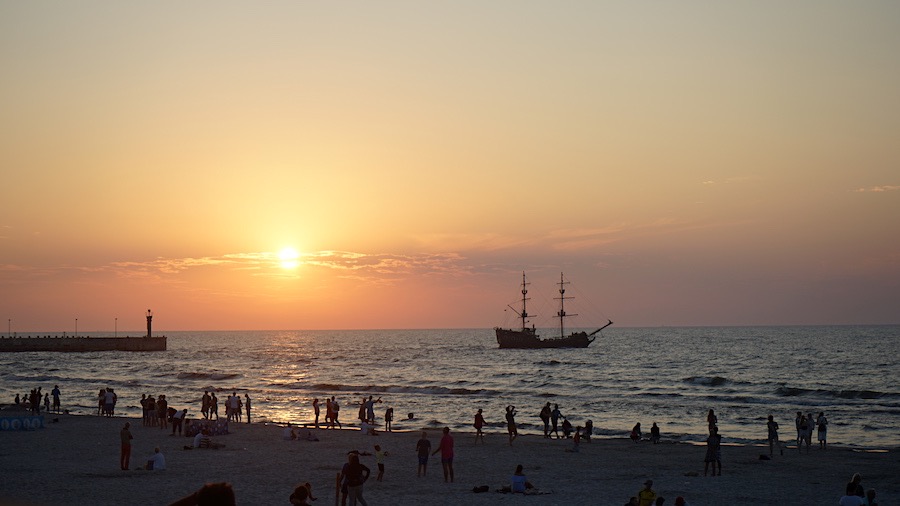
x: 9, y: 327
x: 117, y: 327
x: 76, y: 327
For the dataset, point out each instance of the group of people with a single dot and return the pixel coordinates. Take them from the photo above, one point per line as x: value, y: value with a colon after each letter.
x: 32, y: 400
x: 856, y: 495
x: 805, y: 427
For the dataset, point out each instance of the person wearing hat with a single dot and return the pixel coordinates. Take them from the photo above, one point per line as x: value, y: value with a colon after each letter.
x: 646, y: 496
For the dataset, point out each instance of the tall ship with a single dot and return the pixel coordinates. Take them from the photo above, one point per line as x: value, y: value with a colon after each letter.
x: 528, y: 338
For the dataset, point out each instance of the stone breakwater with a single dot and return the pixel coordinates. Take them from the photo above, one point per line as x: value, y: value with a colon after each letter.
x: 82, y: 343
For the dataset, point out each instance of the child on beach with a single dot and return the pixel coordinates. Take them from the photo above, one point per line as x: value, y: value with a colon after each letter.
x: 479, y: 424
x: 379, y: 459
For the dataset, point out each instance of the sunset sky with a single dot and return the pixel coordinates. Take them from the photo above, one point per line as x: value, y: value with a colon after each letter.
x: 340, y: 165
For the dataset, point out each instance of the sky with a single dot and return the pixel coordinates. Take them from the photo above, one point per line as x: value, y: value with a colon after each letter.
x: 352, y: 165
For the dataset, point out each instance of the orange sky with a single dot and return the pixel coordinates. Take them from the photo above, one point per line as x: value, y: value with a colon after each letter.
x: 683, y: 164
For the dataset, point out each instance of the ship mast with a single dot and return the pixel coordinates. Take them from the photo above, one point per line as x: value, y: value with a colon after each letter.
x: 524, y: 314
x: 562, y: 309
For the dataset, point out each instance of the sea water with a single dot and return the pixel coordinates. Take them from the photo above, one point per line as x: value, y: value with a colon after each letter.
x: 671, y: 376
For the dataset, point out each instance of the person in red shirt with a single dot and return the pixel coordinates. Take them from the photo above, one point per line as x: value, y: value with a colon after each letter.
x: 446, y: 449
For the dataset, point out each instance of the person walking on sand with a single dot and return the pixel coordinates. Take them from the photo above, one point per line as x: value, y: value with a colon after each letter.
x: 713, y: 452
x: 554, y: 420
x: 479, y: 424
x: 446, y: 449
x: 511, y: 423
x: 335, y: 414
x: 214, y: 406
x: 423, y: 449
x: 125, y: 437
x: 772, y: 426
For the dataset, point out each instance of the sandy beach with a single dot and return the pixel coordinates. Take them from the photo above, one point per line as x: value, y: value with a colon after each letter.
x: 76, y: 461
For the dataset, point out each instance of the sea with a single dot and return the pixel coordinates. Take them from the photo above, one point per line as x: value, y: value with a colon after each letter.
x: 670, y: 376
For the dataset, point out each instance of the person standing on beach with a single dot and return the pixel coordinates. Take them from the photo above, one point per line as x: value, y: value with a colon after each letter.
x: 388, y: 418
x: 713, y: 452
x: 151, y: 411
x: 357, y: 474
x: 55, y: 393
x: 329, y: 414
x: 511, y: 423
x: 545, y: 417
x: 554, y: 420
x: 125, y: 454
x: 316, y: 411
x: 822, y: 422
x: 162, y: 411
x: 712, y: 420
x: 446, y: 449
x: 804, y: 434
x: 379, y: 460
x: 214, y: 406
x: 798, y: 421
x: 479, y: 424
x: 423, y: 449
x: 204, y: 404
x: 772, y: 427
x: 247, y: 406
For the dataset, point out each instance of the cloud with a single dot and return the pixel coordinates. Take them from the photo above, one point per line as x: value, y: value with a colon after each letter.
x: 878, y: 189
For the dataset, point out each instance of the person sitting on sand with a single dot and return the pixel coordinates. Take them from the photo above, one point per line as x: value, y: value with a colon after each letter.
x: 302, y: 495
x: 636, y: 432
x: 646, y: 496
x: 855, y: 486
x: 367, y: 428
x: 567, y: 428
x: 310, y: 437
x: 518, y: 483
x: 156, y: 462
x: 288, y: 434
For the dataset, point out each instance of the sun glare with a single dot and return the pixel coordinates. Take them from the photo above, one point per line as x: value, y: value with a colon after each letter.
x: 289, y: 258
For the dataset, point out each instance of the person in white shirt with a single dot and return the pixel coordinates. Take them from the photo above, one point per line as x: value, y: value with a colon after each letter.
x: 156, y: 462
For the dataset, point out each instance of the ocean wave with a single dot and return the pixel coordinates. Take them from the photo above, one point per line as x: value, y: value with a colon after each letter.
x: 392, y: 389
x: 712, y: 381
x: 785, y: 391
x: 216, y: 376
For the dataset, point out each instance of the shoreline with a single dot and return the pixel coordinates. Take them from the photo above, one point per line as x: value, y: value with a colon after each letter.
x: 501, y: 430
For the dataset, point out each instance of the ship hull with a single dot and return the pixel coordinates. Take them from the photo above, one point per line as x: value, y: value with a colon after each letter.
x: 82, y: 344
x: 528, y: 339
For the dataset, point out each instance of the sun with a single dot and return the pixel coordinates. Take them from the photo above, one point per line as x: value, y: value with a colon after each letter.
x: 289, y: 258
